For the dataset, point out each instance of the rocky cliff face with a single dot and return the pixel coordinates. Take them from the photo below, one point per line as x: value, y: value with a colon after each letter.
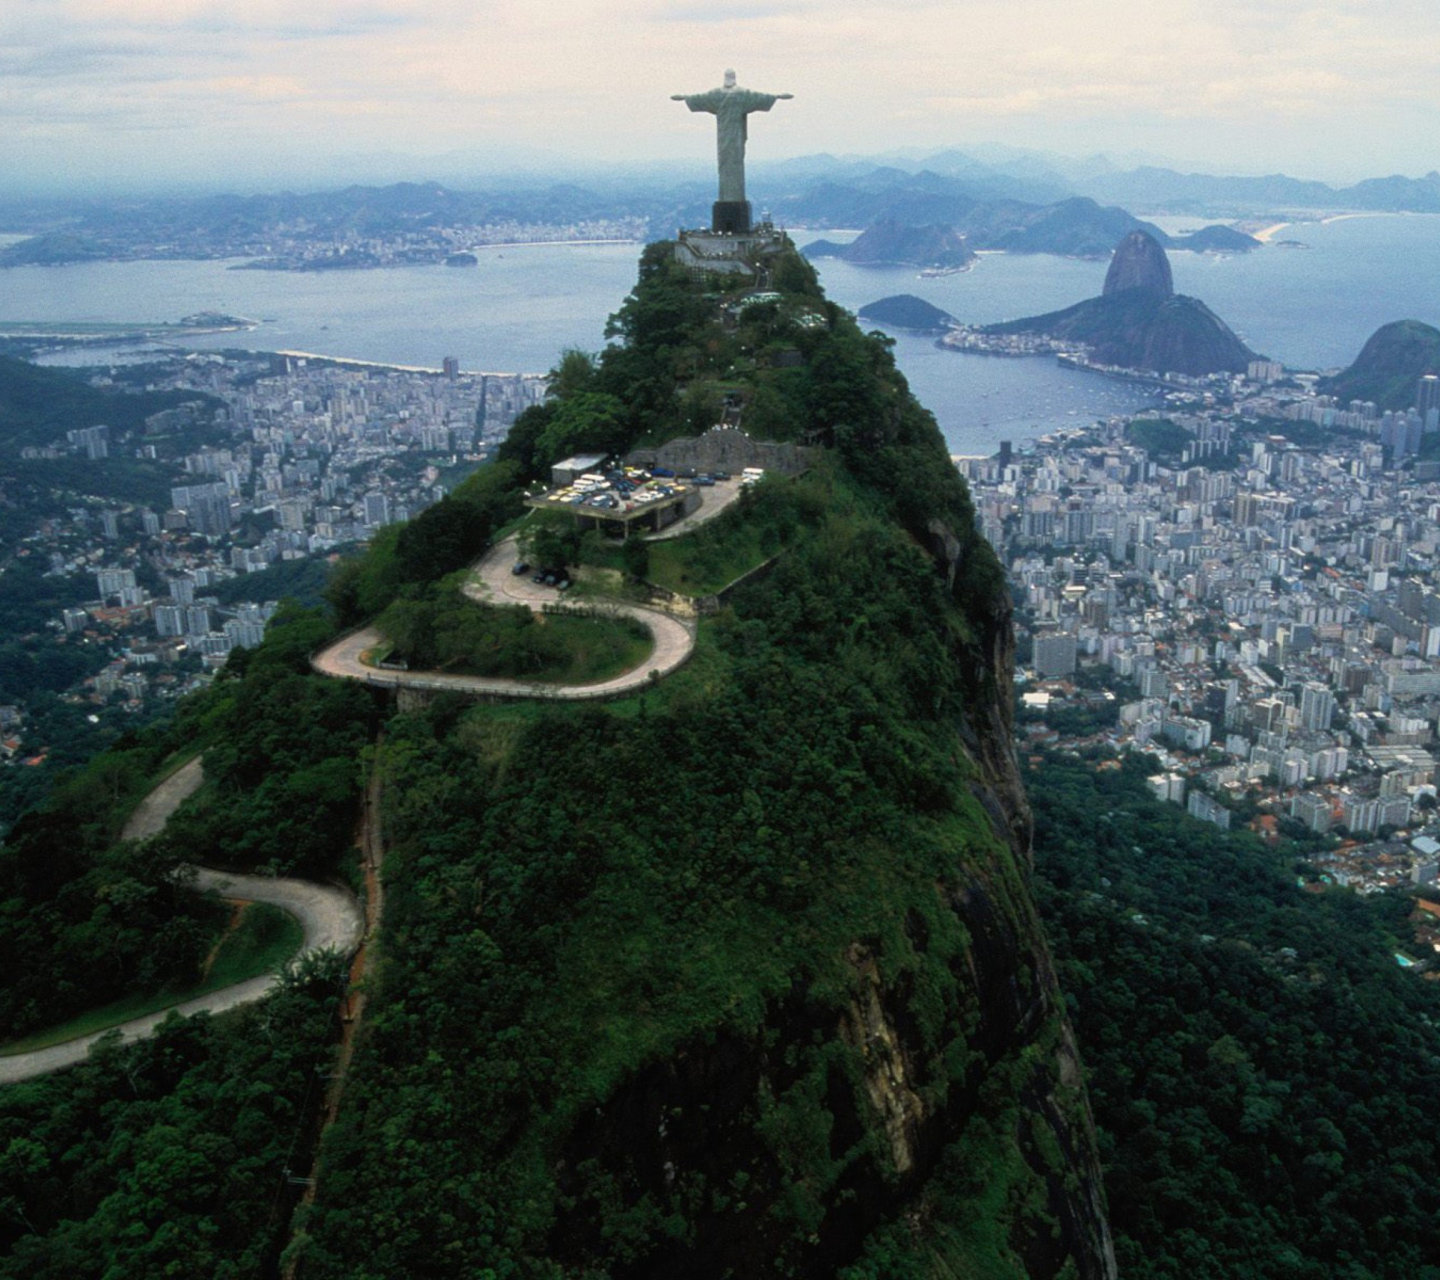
x: 1139, y: 263
x: 900, y: 1111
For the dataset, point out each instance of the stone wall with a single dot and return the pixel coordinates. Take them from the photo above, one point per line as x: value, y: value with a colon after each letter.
x: 724, y: 449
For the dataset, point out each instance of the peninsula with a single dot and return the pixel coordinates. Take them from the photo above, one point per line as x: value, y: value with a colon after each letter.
x: 1138, y: 322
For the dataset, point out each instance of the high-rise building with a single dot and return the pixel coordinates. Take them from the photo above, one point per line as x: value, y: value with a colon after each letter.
x: 170, y: 620
x: 1427, y: 401
x: 1055, y: 654
x: 1317, y: 708
x: 377, y: 510
x: 112, y: 582
x: 1312, y: 810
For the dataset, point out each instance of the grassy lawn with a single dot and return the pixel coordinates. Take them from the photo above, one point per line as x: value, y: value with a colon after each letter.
x: 577, y: 649
x: 703, y: 562
x: 262, y: 940
x: 696, y: 684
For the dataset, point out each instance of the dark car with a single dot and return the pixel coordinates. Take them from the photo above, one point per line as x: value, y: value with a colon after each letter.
x: 520, y: 567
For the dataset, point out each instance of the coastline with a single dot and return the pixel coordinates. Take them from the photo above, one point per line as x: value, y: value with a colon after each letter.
x: 352, y: 362
x: 1266, y: 234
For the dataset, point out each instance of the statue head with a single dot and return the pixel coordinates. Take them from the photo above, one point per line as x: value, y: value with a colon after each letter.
x: 729, y: 79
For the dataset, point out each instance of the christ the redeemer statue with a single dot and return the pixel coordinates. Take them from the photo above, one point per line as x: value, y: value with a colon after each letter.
x: 730, y: 104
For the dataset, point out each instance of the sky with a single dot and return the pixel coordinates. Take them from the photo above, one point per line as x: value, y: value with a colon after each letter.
x: 252, y: 94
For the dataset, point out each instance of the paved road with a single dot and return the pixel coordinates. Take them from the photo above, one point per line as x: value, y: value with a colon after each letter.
x: 329, y: 916
x: 153, y: 812
x: 712, y: 502
x: 493, y: 581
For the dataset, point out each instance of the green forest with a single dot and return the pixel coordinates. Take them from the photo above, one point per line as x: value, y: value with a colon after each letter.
x: 1261, y: 1071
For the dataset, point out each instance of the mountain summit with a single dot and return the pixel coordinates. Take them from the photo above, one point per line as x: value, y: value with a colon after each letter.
x: 1139, y: 263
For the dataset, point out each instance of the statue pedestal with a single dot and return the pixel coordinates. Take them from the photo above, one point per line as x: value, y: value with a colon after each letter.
x: 731, y: 253
x: 730, y: 217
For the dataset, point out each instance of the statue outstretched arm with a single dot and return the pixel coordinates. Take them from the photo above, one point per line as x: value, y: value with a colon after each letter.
x: 752, y: 101
x: 699, y: 101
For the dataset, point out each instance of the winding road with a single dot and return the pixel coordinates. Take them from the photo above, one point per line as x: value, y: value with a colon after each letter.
x: 492, y: 581
x: 330, y: 917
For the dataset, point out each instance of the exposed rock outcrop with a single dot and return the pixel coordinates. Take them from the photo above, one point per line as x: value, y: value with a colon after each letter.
x: 1139, y: 263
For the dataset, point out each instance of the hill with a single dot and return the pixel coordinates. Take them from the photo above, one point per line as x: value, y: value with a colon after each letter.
x: 643, y: 1015
x: 906, y: 311
x: 1138, y: 323
x: 1216, y: 239
x: 890, y: 243
x: 1389, y: 366
x: 38, y: 406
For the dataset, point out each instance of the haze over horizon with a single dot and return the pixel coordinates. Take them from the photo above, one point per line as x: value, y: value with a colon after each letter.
x: 134, y: 94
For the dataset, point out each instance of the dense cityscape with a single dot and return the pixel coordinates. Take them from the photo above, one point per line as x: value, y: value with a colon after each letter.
x: 318, y: 456
x: 1256, y: 609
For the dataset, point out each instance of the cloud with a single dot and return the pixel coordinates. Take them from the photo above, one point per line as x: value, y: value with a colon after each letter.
x: 590, y: 76
x: 70, y: 59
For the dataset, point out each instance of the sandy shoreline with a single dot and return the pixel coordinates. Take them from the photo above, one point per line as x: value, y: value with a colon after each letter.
x: 1266, y: 234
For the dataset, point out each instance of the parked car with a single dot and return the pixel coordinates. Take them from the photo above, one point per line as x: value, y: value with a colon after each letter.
x: 520, y: 567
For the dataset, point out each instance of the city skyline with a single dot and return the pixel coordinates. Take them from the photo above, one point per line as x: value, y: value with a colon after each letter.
x: 213, y: 93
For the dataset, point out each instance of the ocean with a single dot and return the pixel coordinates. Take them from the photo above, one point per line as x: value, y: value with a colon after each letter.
x: 1310, y: 307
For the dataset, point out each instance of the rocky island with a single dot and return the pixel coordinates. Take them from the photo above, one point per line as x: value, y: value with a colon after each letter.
x: 906, y: 311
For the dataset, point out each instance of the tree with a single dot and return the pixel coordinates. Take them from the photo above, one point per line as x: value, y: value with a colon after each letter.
x: 589, y: 421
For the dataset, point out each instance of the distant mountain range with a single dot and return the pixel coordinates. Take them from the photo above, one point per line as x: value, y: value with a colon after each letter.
x: 1037, y: 179
x: 1155, y: 190
x: 1020, y: 203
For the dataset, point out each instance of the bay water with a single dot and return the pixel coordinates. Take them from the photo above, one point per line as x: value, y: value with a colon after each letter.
x: 1311, y: 307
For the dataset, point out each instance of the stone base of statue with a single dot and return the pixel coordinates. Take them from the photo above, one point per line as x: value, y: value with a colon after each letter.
x: 734, y: 253
x: 730, y: 217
